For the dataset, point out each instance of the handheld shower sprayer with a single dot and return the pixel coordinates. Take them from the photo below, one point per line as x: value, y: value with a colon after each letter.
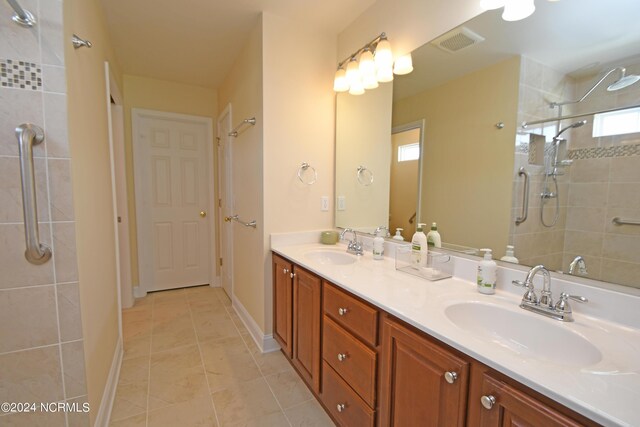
x: 572, y: 126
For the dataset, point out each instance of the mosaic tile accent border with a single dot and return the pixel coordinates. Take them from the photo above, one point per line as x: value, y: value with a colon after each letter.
x: 603, y: 152
x: 20, y: 74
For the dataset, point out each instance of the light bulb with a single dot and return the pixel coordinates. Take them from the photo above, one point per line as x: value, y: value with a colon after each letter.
x: 403, y: 65
x: 383, y: 57
x: 353, y: 72
x: 491, y: 4
x: 367, y: 66
x: 515, y: 10
x: 385, y: 74
x: 340, y: 83
x: 370, y: 81
x: 356, y: 88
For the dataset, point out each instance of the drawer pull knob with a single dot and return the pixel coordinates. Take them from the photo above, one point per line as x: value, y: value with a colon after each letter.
x: 293, y: 275
x: 450, y: 377
x: 488, y: 401
x: 341, y: 407
x: 342, y: 311
x: 285, y: 270
x: 342, y: 356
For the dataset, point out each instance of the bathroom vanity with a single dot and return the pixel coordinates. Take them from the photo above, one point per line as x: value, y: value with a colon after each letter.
x: 380, y: 347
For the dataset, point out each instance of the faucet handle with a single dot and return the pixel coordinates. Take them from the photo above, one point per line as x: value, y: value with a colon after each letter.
x: 529, y: 296
x: 521, y: 283
x: 565, y: 296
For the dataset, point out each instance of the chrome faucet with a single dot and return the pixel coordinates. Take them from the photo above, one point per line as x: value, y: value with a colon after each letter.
x: 560, y: 311
x: 580, y: 263
x: 354, y: 247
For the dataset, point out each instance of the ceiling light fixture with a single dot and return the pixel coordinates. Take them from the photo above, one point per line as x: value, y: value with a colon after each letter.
x: 368, y: 66
x: 514, y: 10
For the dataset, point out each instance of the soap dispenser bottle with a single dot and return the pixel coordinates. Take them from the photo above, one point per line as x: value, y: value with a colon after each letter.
x: 433, y: 237
x: 398, y: 235
x: 487, y: 277
x: 378, y: 242
x: 419, y: 248
x: 509, y: 256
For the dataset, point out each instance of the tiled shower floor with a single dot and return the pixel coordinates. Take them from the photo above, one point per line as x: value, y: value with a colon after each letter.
x: 189, y: 361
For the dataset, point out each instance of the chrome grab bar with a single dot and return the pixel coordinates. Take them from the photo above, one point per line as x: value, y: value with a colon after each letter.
x: 620, y: 221
x: 236, y: 219
x: 28, y: 136
x: 525, y: 196
x: 251, y: 121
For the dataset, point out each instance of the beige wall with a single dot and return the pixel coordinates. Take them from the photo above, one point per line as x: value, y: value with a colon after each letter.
x: 299, y: 123
x: 160, y: 95
x: 91, y: 177
x: 467, y: 162
x: 363, y: 137
x: 242, y: 88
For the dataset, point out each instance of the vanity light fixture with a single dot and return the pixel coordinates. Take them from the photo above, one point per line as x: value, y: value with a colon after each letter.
x: 368, y: 66
x: 514, y: 10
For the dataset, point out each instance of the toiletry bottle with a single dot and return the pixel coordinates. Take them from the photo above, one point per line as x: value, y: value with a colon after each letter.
x: 398, y: 235
x: 419, y: 248
x: 378, y: 242
x: 487, y: 269
x: 433, y: 237
x: 509, y: 256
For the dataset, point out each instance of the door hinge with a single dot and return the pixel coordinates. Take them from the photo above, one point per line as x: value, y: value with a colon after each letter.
x: 219, y: 203
x: 220, y: 262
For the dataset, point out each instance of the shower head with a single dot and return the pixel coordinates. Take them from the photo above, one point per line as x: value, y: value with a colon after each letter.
x: 572, y: 126
x: 623, y: 82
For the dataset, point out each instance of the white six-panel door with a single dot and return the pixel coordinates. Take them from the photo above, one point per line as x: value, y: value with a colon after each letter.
x: 171, y: 168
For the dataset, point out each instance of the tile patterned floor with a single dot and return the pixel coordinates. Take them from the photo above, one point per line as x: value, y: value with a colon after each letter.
x: 189, y: 361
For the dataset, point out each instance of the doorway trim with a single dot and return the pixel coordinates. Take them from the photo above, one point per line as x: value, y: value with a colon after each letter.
x: 137, y: 115
x: 222, y: 139
x: 418, y: 124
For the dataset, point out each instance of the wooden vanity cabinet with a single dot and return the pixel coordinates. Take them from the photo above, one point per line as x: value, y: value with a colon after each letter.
x: 496, y: 400
x: 283, y: 304
x: 422, y: 383
x: 307, y: 288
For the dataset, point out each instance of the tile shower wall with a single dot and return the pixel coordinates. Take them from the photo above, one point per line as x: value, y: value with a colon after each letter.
x: 602, y: 183
x: 41, y: 350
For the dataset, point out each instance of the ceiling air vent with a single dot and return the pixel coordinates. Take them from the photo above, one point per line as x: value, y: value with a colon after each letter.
x: 457, y: 39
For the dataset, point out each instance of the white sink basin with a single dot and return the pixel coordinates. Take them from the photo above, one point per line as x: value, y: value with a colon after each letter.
x: 329, y: 257
x: 524, y: 333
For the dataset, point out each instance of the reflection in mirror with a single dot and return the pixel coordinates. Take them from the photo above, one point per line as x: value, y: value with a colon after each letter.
x: 580, y: 180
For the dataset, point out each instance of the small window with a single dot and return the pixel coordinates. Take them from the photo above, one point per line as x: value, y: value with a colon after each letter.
x: 409, y: 152
x: 617, y: 122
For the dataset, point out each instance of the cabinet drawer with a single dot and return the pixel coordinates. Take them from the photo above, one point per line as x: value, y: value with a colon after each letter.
x: 355, y: 316
x: 354, y: 361
x: 343, y: 403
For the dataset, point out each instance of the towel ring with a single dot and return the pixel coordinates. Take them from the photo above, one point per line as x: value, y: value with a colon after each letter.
x: 302, y: 169
x: 365, y: 176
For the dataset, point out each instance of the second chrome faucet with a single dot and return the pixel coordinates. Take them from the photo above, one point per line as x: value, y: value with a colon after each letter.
x: 353, y: 247
x: 544, y: 305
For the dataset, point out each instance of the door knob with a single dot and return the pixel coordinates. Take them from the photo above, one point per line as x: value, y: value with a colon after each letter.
x: 203, y: 214
x: 227, y: 219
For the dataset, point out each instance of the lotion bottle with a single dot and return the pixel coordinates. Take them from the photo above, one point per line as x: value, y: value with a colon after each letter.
x: 378, y: 243
x: 509, y: 256
x: 487, y: 269
x: 419, y: 248
x: 433, y: 237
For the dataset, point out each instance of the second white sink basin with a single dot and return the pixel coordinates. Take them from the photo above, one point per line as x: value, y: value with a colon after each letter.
x: 330, y: 257
x: 523, y: 333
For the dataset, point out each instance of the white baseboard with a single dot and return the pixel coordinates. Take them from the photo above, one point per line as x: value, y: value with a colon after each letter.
x: 109, y: 394
x: 266, y: 343
x: 138, y: 292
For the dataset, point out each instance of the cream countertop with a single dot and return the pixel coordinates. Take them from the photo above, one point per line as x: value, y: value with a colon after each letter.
x: 607, y: 391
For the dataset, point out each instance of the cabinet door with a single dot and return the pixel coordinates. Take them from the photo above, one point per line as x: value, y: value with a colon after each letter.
x: 283, y: 304
x: 414, y: 389
x: 306, y: 326
x: 512, y: 407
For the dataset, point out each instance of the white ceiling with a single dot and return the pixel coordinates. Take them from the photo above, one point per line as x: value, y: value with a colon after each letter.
x: 572, y: 36
x: 196, y: 41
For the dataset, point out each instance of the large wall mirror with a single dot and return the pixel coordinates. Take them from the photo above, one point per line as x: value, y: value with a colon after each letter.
x: 570, y: 72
